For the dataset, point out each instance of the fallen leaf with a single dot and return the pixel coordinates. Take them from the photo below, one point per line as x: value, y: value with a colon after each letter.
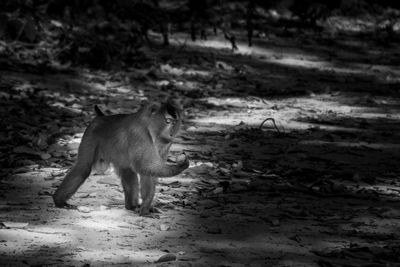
x: 224, y: 66
x: 84, y: 209
x: 45, y: 156
x: 167, y: 257
x: 238, y: 165
x: 218, y: 190
x: 42, y: 141
x: 164, y: 227
x: 191, y: 129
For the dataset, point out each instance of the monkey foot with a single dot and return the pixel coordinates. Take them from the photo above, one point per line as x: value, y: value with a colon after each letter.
x: 144, y: 212
x: 132, y: 207
x: 155, y: 210
x: 152, y: 212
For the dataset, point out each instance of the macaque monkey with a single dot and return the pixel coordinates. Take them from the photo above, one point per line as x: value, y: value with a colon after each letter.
x: 136, y: 145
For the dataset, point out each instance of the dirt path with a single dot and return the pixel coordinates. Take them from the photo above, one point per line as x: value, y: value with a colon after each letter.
x: 324, y: 190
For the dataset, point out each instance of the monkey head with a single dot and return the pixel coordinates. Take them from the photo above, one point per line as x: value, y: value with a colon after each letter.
x: 165, y: 121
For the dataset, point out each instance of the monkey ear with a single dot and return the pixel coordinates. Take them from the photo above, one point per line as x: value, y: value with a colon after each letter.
x: 173, y: 109
x: 153, y: 109
x: 175, y: 103
x: 149, y: 107
x: 98, y: 111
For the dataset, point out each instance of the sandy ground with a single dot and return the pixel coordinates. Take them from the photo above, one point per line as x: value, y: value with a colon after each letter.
x: 322, y: 189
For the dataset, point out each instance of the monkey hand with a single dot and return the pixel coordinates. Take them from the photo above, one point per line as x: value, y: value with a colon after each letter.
x: 185, y: 163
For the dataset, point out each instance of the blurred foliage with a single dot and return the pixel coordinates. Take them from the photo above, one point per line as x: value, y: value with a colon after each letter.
x: 98, y: 32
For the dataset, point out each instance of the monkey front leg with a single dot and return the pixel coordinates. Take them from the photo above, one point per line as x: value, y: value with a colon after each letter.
x: 147, y: 190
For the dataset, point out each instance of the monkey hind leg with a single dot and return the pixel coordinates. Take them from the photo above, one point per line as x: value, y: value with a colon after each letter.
x: 72, y: 181
x: 147, y: 191
x: 130, y: 184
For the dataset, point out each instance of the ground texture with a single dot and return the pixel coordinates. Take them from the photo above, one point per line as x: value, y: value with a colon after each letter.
x: 321, y: 188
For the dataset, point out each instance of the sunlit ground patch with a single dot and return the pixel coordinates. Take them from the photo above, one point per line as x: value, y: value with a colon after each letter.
x: 298, y: 58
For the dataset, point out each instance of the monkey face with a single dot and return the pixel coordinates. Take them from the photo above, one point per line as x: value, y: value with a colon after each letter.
x: 165, y: 121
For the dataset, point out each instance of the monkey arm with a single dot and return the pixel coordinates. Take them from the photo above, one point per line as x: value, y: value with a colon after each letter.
x: 153, y: 165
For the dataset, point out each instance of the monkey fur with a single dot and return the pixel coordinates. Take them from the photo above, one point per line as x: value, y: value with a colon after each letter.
x: 136, y: 145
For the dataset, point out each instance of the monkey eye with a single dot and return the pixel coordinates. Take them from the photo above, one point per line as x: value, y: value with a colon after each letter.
x: 168, y: 120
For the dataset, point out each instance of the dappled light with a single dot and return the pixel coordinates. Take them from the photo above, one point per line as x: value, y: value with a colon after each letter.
x: 272, y: 127
x: 304, y: 59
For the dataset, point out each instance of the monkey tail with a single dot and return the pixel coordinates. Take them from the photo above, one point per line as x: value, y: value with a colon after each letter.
x: 98, y: 111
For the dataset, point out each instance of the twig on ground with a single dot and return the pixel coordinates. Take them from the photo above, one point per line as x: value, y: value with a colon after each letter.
x: 273, y: 121
x: 21, y: 30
